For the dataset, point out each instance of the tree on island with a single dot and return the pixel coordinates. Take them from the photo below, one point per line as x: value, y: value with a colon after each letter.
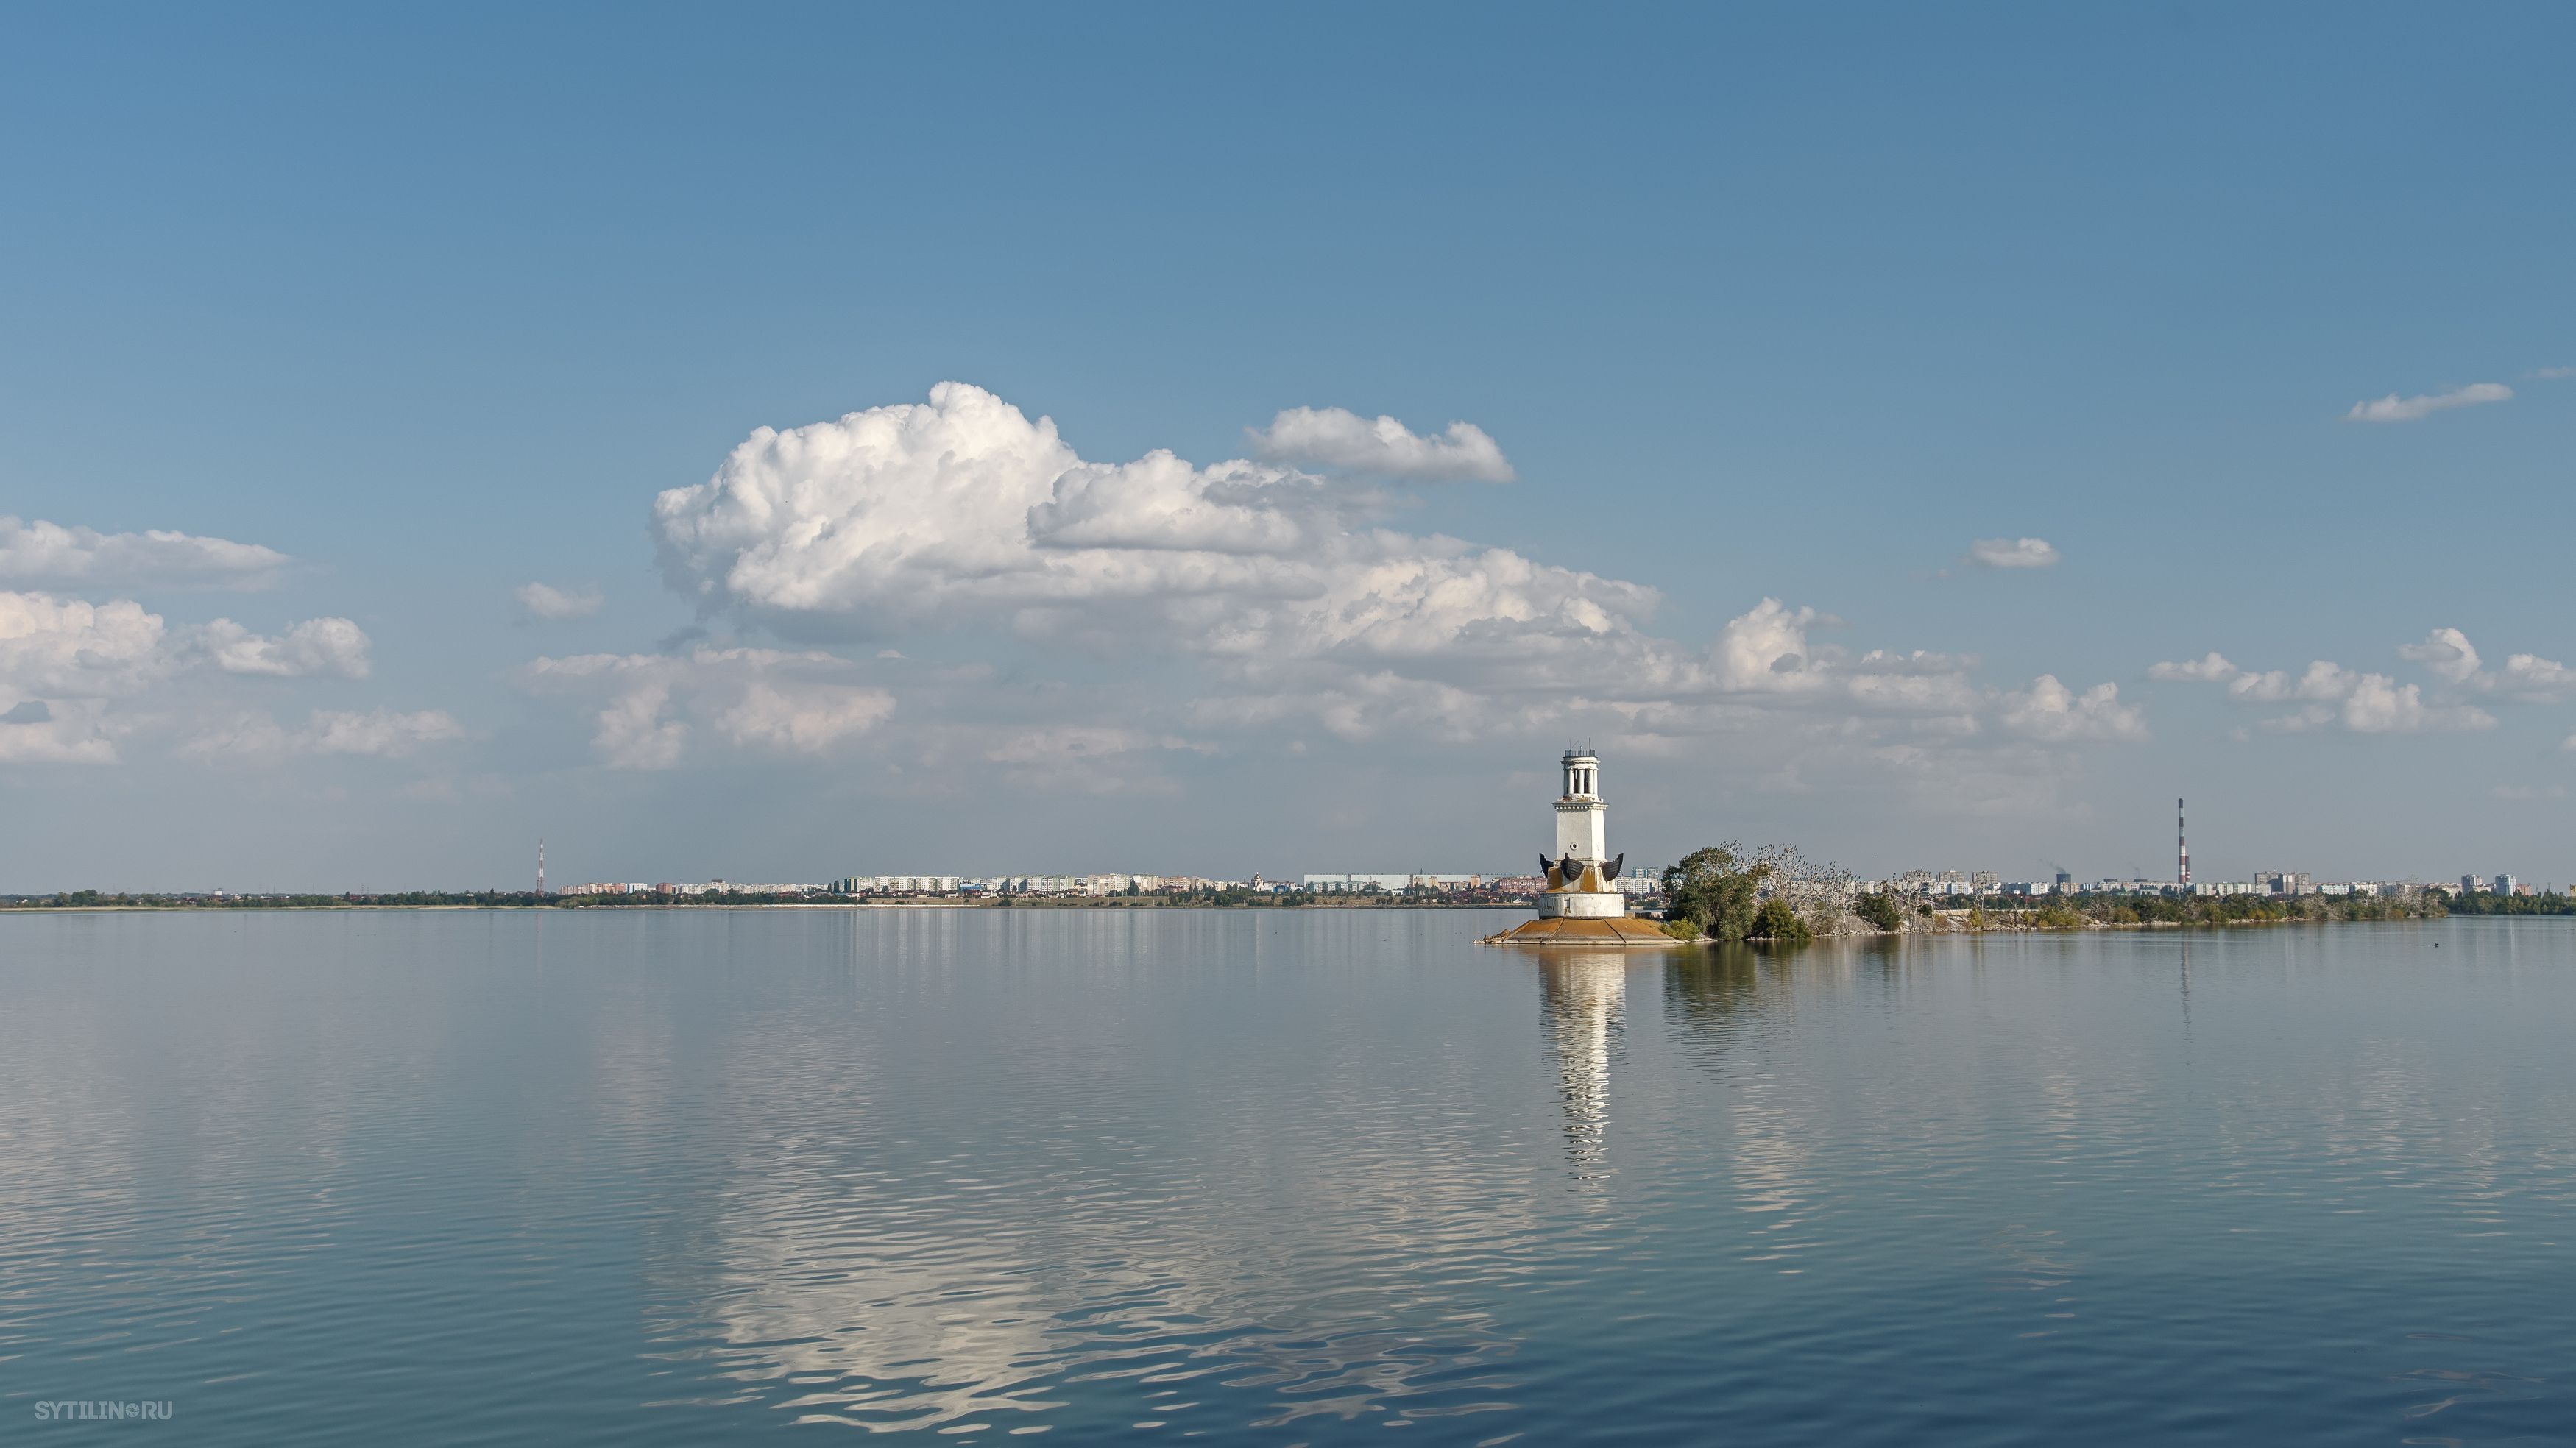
x: 1778, y: 923
x: 1715, y: 892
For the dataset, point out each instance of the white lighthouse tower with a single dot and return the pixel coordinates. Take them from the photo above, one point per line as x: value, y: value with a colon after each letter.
x: 1580, y: 872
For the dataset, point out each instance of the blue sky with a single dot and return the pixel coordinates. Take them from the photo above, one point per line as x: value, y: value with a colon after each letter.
x: 1763, y: 305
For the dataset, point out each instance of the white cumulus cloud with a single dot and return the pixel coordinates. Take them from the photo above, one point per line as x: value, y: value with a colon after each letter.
x: 51, y: 646
x: 963, y: 510
x: 1280, y: 587
x: 61, y: 661
x: 49, y: 553
x: 2012, y: 553
x: 2394, y: 408
x: 547, y: 602
x: 1336, y: 437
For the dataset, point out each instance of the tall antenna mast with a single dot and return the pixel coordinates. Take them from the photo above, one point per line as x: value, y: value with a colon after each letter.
x: 541, y: 865
x: 2182, y: 849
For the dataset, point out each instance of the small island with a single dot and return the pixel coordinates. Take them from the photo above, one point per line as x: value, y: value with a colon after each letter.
x: 1726, y: 894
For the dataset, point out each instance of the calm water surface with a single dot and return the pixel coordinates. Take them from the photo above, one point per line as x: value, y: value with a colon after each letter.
x: 1278, y: 1177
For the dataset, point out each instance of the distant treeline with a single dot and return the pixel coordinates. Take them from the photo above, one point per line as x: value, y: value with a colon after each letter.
x: 1728, y: 893
x: 2487, y: 902
x: 113, y: 899
x: 2077, y: 912
x: 1176, y: 897
x: 2243, y: 909
x: 503, y: 899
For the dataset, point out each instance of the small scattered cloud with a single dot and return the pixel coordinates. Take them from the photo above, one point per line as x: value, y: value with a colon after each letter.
x: 2330, y: 695
x: 2050, y: 710
x: 1336, y: 437
x: 2529, y: 793
x: 1085, y: 758
x: 2445, y: 654
x: 1067, y: 747
x: 72, y: 674
x: 806, y: 720
x: 2324, y: 680
x: 2381, y: 705
x: 544, y: 601
x: 317, y: 646
x: 788, y: 703
x: 632, y: 734
x: 2212, y: 668
x: 373, y: 734
x: 378, y: 733
x: 2394, y: 408
x: 49, y: 553
x: 2369, y: 704
x: 2012, y: 553
x: 2533, y: 677
x: 33, y: 731
x: 2555, y: 374
x: 1764, y: 651
x: 59, y: 738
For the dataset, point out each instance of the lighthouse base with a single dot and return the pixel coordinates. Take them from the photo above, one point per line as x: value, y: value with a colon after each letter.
x: 1582, y: 904
x: 1596, y: 931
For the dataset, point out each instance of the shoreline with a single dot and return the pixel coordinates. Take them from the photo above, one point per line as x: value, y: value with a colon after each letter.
x: 670, y: 907
x: 1951, y: 930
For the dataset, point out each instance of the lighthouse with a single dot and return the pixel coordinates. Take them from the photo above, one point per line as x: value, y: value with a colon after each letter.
x: 1581, y: 872
x: 1583, y: 904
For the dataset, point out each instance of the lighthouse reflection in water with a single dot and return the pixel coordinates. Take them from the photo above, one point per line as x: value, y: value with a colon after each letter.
x: 1583, y: 995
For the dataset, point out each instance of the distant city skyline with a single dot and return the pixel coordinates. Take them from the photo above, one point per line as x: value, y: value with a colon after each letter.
x: 1938, y: 442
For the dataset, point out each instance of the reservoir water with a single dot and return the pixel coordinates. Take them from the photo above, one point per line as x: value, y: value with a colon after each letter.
x: 1281, y: 1176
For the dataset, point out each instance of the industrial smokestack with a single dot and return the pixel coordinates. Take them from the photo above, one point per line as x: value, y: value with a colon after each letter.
x: 2182, y: 849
